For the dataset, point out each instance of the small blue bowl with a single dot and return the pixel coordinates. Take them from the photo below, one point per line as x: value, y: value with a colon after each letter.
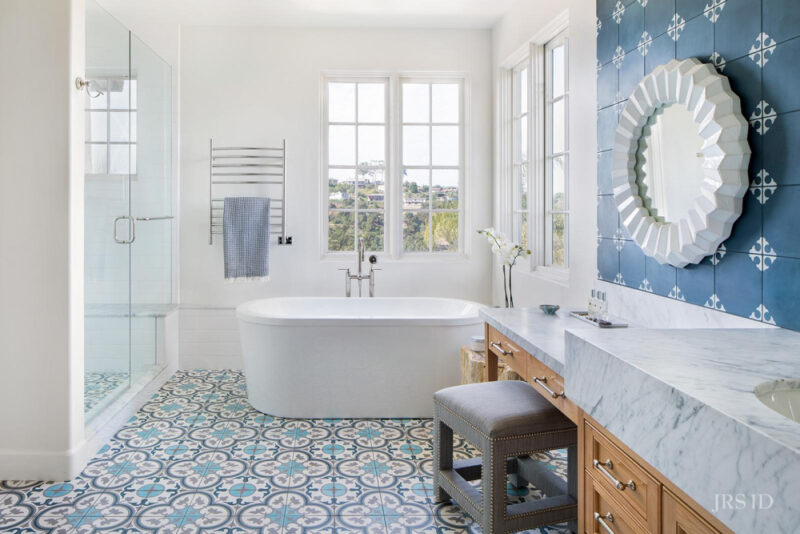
x: 549, y: 309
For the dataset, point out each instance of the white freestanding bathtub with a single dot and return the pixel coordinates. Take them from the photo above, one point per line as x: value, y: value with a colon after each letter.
x: 352, y: 357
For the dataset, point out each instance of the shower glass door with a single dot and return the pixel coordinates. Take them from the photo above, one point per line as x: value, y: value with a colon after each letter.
x: 128, y: 211
x: 109, y: 229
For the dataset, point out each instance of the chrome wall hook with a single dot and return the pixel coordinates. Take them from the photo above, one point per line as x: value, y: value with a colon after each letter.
x: 80, y: 84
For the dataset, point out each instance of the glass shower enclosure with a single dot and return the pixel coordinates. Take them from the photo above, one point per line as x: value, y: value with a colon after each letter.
x: 128, y: 210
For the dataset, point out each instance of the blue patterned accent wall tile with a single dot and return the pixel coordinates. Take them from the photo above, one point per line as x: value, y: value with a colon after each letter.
x: 747, y: 229
x: 632, y: 265
x: 631, y: 27
x: 781, y: 19
x: 605, y: 161
x: 782, y: 293
x: 781, y: 74
x: 696, y: 39
x: 657, y: 16
x: 661, y: 51
x: 607, y: 85
x: 737, y: 28
x: 744, y: 75
x: 630, y: 73
x: 607, y: 41
x: 607, y: 217
x: 605, y: 8
x: 737, y: 284
x: 696, y: 282
x: 782, y: 220
x: 690, y: 9
x: 780, y: 149
x: 607, y: 120
x: 607, y: 260
x: 662, y: 278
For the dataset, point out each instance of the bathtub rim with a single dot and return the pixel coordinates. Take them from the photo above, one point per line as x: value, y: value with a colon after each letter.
x: 244, y: 314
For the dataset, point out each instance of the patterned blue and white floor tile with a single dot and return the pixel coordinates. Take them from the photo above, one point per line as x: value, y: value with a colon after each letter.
x: 99, y: 385
x: 198, y: 458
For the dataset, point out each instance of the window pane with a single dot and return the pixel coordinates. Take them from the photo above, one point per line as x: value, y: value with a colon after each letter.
x: 446, y: 145
x: 371, y: 145
x: 341, y: 102
x: 97, y: 159
x: 521, y: 229
x: 522, y: 186
x: 445, y: 189
x: 341, y: 188
x: 371, y: 102
x: 445, y: 232
x: 559, y: 126
x: 119, y: 126
x: 523, y: 138
x: 523, y: 90
x: 446, y: 102
x: 559, y: 71
x: 371, y: 189
x: 96, y: 126
x: 416, y: 232
x: 119, y: 159
x: 416, y: 191
x: 416, y: 102
x: 370, y: 227
x: 119, y: 94
x: 341, y: 231
x: 559, y: 236
x: 416, y: 145
x: 559, y: 183
x: 342, y: 145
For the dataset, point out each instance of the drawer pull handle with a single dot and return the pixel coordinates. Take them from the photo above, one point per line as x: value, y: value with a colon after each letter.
x: 602, y: 520
x: 617, y: 484
x: 499, y: 347
x: 543, y: 382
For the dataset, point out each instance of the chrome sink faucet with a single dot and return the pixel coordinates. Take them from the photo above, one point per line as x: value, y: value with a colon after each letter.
x: 360, y: 276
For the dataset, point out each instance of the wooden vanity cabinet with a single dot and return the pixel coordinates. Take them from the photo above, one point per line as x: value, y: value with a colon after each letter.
x: 619, y: 492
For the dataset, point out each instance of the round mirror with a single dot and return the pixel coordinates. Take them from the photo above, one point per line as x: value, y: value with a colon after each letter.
x: 680, y: 162
x: 669, y: 163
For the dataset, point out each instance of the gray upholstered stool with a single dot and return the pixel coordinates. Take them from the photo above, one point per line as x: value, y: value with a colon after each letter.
x: 508, y: 421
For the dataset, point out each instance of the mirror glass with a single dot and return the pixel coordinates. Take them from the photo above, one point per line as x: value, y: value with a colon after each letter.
x: 669, y: 163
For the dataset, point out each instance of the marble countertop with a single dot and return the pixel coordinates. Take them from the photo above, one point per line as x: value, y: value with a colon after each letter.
x: 536, y: 333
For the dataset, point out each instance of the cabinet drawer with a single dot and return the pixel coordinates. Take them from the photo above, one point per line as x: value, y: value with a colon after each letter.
x: 603, y: 514
x: 622, y: 477
x: 543, y: 379
x: 678, y: 518
x: 509, y: 352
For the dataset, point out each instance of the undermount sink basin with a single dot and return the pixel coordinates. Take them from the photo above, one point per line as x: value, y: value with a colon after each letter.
x: 782, y: 396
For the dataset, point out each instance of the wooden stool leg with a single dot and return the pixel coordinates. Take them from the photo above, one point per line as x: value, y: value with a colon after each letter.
x: 572, y: 480
x: 442, y: 455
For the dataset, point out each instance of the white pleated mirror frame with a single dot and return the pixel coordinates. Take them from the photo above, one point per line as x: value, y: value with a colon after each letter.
x: 717, y: 112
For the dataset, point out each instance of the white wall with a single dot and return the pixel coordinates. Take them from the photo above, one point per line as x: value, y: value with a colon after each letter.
x: 516, y: 29
x: 41, y: 239
x: 259, y: 85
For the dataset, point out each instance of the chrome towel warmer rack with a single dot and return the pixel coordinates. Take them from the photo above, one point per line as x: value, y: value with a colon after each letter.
x: 248, y: 165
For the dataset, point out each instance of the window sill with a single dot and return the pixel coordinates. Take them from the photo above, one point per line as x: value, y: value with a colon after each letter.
x: 350, y: 257
x: 553, y: 275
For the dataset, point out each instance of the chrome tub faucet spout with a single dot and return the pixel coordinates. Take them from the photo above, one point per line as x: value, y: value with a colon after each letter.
x: 349, y: 277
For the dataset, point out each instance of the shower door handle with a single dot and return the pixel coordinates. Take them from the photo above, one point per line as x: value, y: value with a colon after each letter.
x: 131, y: 232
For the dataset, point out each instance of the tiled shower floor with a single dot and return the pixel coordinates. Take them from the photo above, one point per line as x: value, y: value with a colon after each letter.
x: 98, y: 385
x: 198, y: 458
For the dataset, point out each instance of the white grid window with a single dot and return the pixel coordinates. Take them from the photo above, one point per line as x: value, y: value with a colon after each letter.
x: 432, y: 162
x: 556, y: 106
x: 111, y: 127
x: 521, y: 114
x: 356, y: 148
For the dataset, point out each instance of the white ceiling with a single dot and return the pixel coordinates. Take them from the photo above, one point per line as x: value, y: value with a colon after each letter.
x: 350, y: 13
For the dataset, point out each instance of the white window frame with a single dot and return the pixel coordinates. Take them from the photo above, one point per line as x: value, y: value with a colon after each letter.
x: 393, y: 200
x: 517, y: 161
x: 539, y: 239
x: 355, y: 78
x: 430, y: 167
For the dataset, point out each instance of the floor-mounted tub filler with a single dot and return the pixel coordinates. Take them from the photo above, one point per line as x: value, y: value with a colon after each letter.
x: 339, y: 357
